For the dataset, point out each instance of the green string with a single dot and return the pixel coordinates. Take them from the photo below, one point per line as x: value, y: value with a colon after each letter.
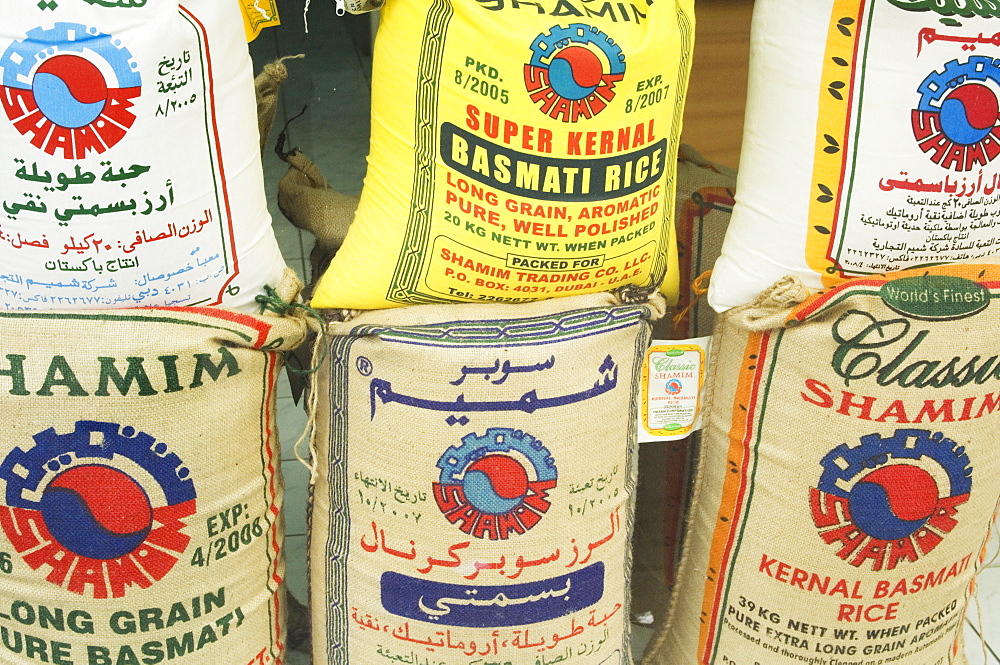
x: 270, y: 301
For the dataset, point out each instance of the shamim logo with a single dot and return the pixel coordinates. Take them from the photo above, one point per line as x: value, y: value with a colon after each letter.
x: 70, y: 88
x: 890, y: 499
x: 573, y: 72
x: 495, y: 484
x: 99, y: 509
x: 956, y: 119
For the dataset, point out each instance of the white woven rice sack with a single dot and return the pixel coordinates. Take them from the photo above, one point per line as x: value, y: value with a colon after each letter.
x: 870, y: 143
x: 129, y: 170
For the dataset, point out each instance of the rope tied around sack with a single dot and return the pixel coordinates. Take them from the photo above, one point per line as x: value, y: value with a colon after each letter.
x: 270, y: 301
x: 276, y: 72
x: 699, y: 287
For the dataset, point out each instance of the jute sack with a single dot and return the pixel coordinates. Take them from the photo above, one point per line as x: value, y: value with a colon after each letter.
x: 705, y: 200
x: 518, y: 152
x: 475, y: 477
x: 306, y: 199
x: 139, y: 478
x: 267, y: 86
x: 129, y: 165
x: 849, y: 475
x: 870, y: 142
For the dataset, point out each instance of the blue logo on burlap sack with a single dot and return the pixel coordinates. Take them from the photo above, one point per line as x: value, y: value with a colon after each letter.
x: 70, y: 89
x: 496, y: 484
x: 99, y: 509
x: 892, y: 498
x: 480, y: 606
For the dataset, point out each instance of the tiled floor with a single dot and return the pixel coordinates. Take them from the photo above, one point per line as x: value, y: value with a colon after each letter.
x: 333, y: 81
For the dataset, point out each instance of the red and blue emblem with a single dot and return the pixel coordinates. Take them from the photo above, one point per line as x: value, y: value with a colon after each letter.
x: 573, y: 71
x: 956, y: 121
x: 98, y: 510
x: 496, y: 484
x: 891, y: 499
x: 70, y: 89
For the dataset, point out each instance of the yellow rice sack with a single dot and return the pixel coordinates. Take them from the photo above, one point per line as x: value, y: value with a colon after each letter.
x: 519, y: 151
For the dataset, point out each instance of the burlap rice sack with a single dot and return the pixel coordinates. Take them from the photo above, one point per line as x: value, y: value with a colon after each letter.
x: 140, y: 494
x: 849, y: 475
x: 475, y: 477
x: 705, y: 198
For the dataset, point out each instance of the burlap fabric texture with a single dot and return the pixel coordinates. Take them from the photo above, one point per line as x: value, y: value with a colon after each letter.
x: 140, y: 485
x: 475, y: 477
x: 848, y: 477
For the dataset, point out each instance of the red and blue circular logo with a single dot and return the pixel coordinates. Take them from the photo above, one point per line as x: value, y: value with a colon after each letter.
x: 673, y: 387
x: 98, y: 510
x: 496, y: 484
x: 70, y: 89
x: 956, y: 121
x: 891, y: 499
x: 573, y: 71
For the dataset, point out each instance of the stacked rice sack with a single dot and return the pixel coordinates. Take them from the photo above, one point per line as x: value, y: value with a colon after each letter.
x: 140, y: 486
x: 465, y: 503
x: 846, y: 482
x: 518, y: 152
x: 848, y: 477
x: 141, y: 495
x: 870, y: 143
x: 130, y: 173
